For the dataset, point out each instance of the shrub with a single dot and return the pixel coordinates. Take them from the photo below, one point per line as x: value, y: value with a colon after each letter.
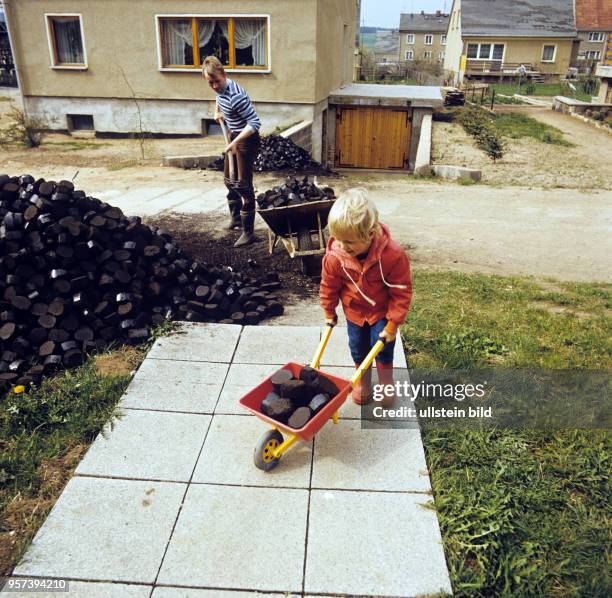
x: 596, y: 115
x: 589, y: 84
x: 23, y: 129
x: 530, y: 89
x: 481, y: 125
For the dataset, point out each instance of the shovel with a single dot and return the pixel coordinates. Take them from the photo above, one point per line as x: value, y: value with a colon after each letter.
x: 232, y: 168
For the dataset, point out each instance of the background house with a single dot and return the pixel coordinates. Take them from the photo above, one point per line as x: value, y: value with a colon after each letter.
x: 489, y: 39
x: 423, y: 36
x: 119, y: 65
x: 594, y: 26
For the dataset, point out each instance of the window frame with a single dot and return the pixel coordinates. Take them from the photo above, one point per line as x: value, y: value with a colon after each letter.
x: 596, y: 52
x: 425, y: 53
x: 596, y: 36
x: 554, y: 57
x: 441, y: 56
x: 443, y: 39
x: 409, y: 37
x: 411, y: 52
x: 198, y: 69
x: 491, y: 51
x: 430, y: 36
x: 48, y: 16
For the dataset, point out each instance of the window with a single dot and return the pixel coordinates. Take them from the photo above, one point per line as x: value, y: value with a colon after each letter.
x: 427, y: 55
x: 66, y: 45
x: 593, y: 54
x: 409, y: 55
x: 80, y: 122
x: 441, y: 57
x: 548, y: 53
x: 485, y: 51
x: 596, y: 36
x: 443, y: 40
x: 238, y: 42
x: 428, y: 39
x: 410, y: 38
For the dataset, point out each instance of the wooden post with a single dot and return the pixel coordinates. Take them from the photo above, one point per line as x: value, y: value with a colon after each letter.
x: 492, y: 99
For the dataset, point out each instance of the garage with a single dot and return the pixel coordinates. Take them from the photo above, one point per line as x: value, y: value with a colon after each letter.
x: 369, y: 137
x: 377, y: 126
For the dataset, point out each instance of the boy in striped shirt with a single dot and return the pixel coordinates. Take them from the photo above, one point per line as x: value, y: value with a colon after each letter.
x: 235, y: 108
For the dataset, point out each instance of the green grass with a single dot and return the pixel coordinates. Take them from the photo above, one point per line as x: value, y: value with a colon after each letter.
x: 542, y: 89
x: 122, y: 165
x: 44, y: 430
x: 519, y: 125
x: 522, y: 512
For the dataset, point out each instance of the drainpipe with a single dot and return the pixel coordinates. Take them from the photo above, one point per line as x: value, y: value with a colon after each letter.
x: 5, y: 4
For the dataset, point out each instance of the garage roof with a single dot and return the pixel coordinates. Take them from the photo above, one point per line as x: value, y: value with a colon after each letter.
x: 370, y: 94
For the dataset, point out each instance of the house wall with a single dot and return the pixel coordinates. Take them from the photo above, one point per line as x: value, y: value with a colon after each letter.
x: 120, y: 35
x: 585, y: 45
x: 335, y: 43
x: 529, y: 50
x: 454, y: 44
x: 419, y: 47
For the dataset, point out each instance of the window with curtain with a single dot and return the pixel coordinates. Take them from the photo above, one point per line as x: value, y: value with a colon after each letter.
x: 239, y: 42
x: 548, y: 53
x: 472, y: 51
x: 66, y: 40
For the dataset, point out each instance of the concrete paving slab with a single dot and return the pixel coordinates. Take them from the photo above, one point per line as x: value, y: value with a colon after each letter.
x: 164, y: 592
x: 241, y: 378
x: 85, y: 589
x: 198, y: 342
x: 105, y: 529
x: 227, y: 456
x: 351, y: 458
x: 175, y: 386
x: 227, y: 536
x: 374, y: 544
x: 150, y: 445
x: 268, y: 344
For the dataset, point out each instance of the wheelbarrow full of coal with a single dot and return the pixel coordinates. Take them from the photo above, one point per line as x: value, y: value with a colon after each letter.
x: 299, y: 226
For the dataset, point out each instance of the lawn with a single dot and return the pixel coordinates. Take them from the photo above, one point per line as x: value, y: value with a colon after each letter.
x: 522, y: 512
x: 543, y: 89
x: 519, y: 125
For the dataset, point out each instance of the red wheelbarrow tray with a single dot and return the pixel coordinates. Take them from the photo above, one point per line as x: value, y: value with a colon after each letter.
x: 252, y: 401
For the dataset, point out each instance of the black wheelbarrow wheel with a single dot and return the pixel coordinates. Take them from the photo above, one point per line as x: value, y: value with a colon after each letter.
x: 263, y: 456
x: 311, y: 264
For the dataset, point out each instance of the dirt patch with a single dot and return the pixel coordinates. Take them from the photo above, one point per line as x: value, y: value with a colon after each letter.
x: 529, y: 162
x: 203, y: 238
x: 25, y: 514
x: 117, y: 363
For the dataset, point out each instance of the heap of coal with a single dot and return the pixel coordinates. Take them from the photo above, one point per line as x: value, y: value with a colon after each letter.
x: 292, y: 193
x: 77, y: 275
x: 454, y: 97
x: 278, y: 153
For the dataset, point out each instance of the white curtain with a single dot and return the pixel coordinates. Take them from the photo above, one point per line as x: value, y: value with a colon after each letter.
x: 68, y: 41
x: 205, y: 31
x: 251, y: 33
x: 176, y: 35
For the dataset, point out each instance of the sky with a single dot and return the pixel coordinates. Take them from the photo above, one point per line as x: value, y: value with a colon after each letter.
x: 385, y: 13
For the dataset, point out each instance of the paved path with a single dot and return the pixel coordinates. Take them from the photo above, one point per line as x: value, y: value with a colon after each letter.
x: 170, y: 505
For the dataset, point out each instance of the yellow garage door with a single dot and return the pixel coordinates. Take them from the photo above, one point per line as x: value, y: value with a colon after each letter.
x: 372, y: 137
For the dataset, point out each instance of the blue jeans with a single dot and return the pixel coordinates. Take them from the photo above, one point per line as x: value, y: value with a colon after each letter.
x: 363, y: 338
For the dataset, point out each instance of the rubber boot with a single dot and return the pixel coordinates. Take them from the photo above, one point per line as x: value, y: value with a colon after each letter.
x: 362, y: 391
x: 385, y: 376
x: 248, y: 224
x: 234, y: 206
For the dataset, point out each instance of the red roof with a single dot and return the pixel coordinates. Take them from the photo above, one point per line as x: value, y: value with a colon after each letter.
x: 594, y: 15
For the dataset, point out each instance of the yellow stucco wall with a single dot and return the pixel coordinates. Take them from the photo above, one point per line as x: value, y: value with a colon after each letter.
x: 336, y: 30
x: 307, y: 53
x: 529, y: 50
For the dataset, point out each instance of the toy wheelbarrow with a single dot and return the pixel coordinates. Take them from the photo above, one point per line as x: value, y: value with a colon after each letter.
x: 272, y: 445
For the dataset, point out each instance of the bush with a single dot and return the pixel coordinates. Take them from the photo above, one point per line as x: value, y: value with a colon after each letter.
x: 530, y: 89
x: 596, y: 115
x: 481, y: 125
x: 23, y: 129
x: 589, y: 84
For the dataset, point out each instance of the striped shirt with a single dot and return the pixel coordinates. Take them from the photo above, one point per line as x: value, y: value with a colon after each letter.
x: 236, y: 107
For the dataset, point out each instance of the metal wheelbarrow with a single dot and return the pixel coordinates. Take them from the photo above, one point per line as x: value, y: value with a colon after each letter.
x: 272, y: 444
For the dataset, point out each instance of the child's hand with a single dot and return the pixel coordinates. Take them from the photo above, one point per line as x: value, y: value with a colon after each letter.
x: 388, y: 336
x: 331, y: 321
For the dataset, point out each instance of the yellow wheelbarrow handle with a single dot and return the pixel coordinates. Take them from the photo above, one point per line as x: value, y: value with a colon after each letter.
x: 316, y: 360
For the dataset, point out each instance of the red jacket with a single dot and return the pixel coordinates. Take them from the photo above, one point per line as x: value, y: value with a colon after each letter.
x: 379, y: 287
